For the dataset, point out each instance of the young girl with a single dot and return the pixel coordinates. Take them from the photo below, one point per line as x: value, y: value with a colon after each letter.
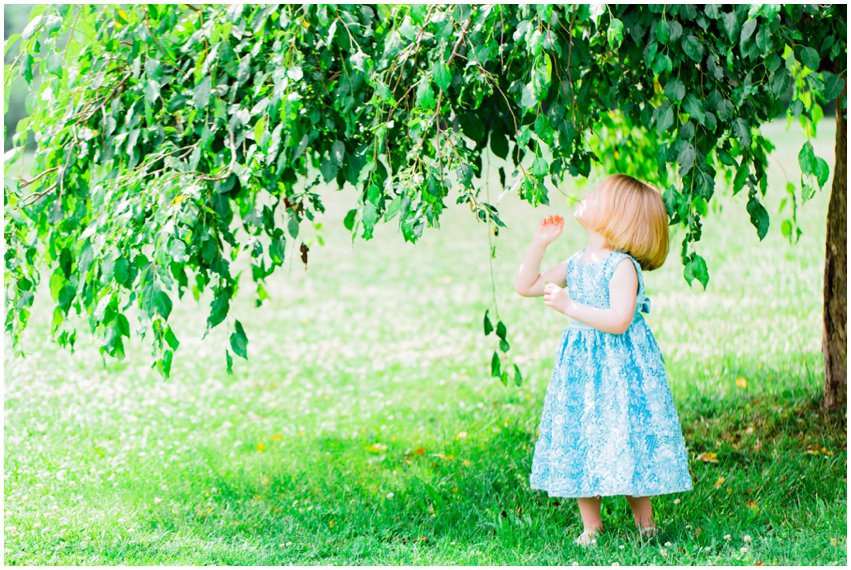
x: 609, y: 426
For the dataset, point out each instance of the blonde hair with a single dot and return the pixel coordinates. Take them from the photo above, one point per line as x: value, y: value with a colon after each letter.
x: 635, y: 220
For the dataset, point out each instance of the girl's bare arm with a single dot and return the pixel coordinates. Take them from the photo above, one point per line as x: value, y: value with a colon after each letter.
x: 623, y: 291
x: 529, y: 281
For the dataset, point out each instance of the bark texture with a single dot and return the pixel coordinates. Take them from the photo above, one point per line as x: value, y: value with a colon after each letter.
x: 836, y: 273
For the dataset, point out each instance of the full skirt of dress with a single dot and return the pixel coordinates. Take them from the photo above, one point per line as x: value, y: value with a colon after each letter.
x: 609, y: 425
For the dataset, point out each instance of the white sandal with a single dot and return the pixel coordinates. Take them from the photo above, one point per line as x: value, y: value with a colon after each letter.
x: 648, y: 531
x: 588, y: 537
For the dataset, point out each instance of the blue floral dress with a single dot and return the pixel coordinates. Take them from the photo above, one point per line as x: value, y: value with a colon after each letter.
x: 609, y: 426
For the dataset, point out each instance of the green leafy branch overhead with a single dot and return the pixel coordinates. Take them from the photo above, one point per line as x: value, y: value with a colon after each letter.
x: 170, y: 138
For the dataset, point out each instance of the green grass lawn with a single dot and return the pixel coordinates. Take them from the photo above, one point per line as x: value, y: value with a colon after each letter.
x: 365, y: 428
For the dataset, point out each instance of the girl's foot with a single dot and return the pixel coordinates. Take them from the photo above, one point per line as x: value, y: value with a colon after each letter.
x: 588, y: 537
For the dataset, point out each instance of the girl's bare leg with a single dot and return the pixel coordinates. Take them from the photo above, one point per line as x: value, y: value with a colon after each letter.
x: 641, y: 510
x: 589, y: 508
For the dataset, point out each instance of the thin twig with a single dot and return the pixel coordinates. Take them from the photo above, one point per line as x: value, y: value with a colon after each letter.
x: 25, y: 183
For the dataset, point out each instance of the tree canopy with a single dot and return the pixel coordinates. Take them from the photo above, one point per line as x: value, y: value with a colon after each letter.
x: 171, y: 138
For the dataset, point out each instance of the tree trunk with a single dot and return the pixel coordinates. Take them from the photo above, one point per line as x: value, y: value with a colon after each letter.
x: 835, y: 273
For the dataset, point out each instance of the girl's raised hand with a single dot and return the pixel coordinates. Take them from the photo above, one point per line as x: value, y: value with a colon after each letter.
x: 549, y: 229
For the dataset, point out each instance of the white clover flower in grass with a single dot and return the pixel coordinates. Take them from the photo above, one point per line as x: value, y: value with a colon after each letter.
x: 668, y: 543
x: 663, y: 552
x: 727, y: 537
x: 743, y: 549
x: 622, y: 546
x: 390, y: 495
x: 746, y: 538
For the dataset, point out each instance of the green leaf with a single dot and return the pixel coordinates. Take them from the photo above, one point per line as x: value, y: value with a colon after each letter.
x: 742, y: 132
x: 238, y: 340
x: 692, y: 47
x: 442, y: 75
x: 162, y: 303
x: 425, y: 94
x: 338, y: 151
x: 328, y: 170
x: 349, y: 220
x: 662, y: 64
x: 499, y: 144
x: 393, y: 209
x: 152, y: 91
x: 259, y: 126
x: 730, y: 23
x: 807, y: 159
x: 369, y: 219
x: 473, y: 128
x: 495, y: 364
x: 57, y: 280
x: 614, y: 34
x: 31, y: 27
x: 292, y: 225
x: 741, y: 178
x: 27, y: 67
x: 170, y: 338
x: 676, y: 30
x: 540, y: 167
x: 758, y: 216
x: 832, y: 85
x: 219, y: 307
x: 487, y: 324
x: 164, y: 364
x: 686, y: 159
x: 822, y: 171
x: 747, y: 31
x: 697, y: 269
x: 780, y: 82
x: 543, y: 129
x: 418, y: 13
x: 528, y: 99
x: 663, y: 32
x: 694, y: 107
x: 675, y: 89
x: 725, y: 110
x: 664, y: 116
x: 295, y: 73
x: 201, y: 98
x: 518, y: 378
x: 763, y: 39
x: 501, y: 330
x: 810, y: 58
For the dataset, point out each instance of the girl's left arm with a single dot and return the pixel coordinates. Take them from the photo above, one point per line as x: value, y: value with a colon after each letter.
x: 623, y: 291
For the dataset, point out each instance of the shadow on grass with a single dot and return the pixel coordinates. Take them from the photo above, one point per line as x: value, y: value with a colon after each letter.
x: 778, y: 471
